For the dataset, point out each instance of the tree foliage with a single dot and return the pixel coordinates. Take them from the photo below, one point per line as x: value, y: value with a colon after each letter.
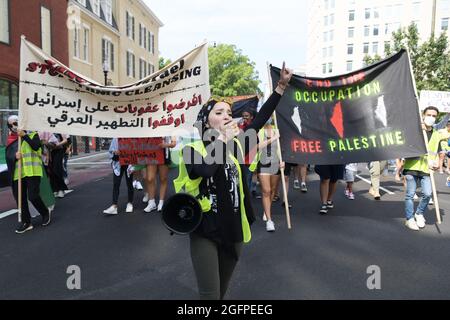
x: 230, y: 72
x: 162, y: 63
x: 430, y: 60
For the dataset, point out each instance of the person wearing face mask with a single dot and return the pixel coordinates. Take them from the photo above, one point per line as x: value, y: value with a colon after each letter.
x: 213, y: 171
x: 29, y: 152
x: 417, y: 170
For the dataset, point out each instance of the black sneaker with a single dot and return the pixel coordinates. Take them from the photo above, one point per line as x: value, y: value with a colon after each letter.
x: 256, y: 194
x: 323, y: 209
x: 24, y: 227
x: 46, y: 219
x: 330, y: 204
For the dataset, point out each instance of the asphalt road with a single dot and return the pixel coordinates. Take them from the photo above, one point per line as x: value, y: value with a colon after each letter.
x: 132, y: 255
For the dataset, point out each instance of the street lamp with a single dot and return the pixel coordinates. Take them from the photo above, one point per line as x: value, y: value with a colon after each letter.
x: 105, y: 67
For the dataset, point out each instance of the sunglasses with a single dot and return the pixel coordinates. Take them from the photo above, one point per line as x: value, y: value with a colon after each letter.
x: 10, y: 125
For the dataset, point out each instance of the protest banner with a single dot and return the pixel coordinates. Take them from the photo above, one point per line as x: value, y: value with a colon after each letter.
x: 370, y: 114
x: 55, y: 98
x: 438, y: 99
x: 140, y: 151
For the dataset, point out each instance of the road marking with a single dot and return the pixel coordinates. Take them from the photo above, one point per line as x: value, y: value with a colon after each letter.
x: 8, y: 213
x: 68, y: 191
x: 365, y: 180
x: 87, y: 157
x: 89, y: 163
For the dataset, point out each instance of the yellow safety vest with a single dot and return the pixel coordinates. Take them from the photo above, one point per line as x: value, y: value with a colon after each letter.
x: 192, y: 186
x: 31, y: 160
x: 421, y: 163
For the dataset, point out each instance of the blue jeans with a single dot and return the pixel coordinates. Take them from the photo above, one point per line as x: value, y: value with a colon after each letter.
x: 248, y: 177
x: 411, y: 186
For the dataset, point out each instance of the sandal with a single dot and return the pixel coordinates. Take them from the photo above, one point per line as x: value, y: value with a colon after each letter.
x: 276, y: 198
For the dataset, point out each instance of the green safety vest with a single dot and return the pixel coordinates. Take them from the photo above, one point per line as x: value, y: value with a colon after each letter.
x: 191, y: 186
x: 261, y: 137
x: 421, y: 163
x: 31, y: 161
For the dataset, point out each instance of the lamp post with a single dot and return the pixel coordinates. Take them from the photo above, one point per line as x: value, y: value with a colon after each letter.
x: 105, y: 68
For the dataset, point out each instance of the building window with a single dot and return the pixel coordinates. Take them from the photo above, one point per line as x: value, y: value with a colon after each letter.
x: 153, y: 42
x: 151, y: 68
x: 366, y: 31
x: 325, y: 21
x: 107, y: 10
x: 331, y: 35
x: 86, y: 44
x: 376, y: 29
x: 325, y: 36
x: 331, y: 4
x: 376, y: 13
x: 140, y: 35
x: 130, y: 25
x: 349, y: 65
x: 375, y: 47
x: 386, y: 28
x: 444, y: 24
x: 131, y: 70
x: 83, y: 2
x: 324, y: 68
x: 330, y: 51
x: 366, y: 47
x: 9, y: 95
x: 351, y: 15
x: 367, y: 13
x: 46, y: 31
x: 142, y: 68
x: 76, y: 41
x: 4, y: 21
x: 351, y: 32
x: 149, y: 41
x: 96, y: 7
x: 350, y: 49
x: 331, y: 19
x: 144, y: 36
x: 325, y: 4
x: 324, y: 52
x: 330, y: 67
x: 108, y: 53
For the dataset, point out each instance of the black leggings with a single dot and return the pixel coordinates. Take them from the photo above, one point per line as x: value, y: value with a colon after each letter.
x: 213, y: 266
x: 116, y: 185
x: 30, y: 191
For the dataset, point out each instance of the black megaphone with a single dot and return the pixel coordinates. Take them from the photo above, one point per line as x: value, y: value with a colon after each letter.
x: 181, y: 213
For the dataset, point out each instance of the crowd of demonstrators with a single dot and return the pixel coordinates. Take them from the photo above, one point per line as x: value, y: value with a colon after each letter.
x: 29, y: 153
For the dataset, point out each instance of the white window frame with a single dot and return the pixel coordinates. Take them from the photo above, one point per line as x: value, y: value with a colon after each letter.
x: 442, y: 24
x: 131, y: 64
x: 76, y: 41
x: 96, y: 7
x: 351, y: 32
x: 83, y: 2
x: 4, y: 22
x: 107, y: 10
x: 46, y: 30
x: 86, y: 42
x: 108, y: 56
x: 349, y: 65
x: 350, y: 50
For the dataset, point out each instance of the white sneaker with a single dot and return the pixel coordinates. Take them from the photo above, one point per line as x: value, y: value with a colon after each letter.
x: 160, y: 205
x: 138, y: 185
x: 431, y: 201
x: 411, y: 224
x: 66, y: 181
x: 145, y: 198
x: 264, y: 216
x: 129, y: 208
x: 416, y: 197
x: 60, y: 194
x: 296, y: 184
x: 270, y: 226
x: 150, y: 207
x: 111, y: 210
x: 420, y: 220
x: 134, y: 184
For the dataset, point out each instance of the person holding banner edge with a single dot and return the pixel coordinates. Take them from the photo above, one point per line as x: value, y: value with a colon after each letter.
x: 417, y: 170
x: 222, y: 191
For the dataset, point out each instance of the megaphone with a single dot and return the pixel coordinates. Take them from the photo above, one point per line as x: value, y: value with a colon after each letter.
x: 181, y: 213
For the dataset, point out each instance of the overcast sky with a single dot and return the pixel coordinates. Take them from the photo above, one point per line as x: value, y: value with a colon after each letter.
x: 264, y: 30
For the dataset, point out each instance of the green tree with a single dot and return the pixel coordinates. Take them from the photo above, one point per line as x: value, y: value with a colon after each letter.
x: 430, y: 60
x: 230, y: 72
x: 162, y: 63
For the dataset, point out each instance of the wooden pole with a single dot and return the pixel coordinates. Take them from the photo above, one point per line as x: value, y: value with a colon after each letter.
x: 433, y: 183
x: 19, y: 182
x: 283, y: 182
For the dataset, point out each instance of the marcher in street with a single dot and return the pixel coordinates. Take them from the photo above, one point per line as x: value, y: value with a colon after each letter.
x: 118, y: 172
x: 329, y: 176
x: 417, y: 171
x: 29, y: 153
x: 222, y: 190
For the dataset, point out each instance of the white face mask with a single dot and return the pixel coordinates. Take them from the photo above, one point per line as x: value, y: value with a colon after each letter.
x: 429, y: 120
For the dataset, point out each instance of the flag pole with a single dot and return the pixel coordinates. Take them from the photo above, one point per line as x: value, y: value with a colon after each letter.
x: 433, y: 183
x: 283, y: 182
x: 19, y: 182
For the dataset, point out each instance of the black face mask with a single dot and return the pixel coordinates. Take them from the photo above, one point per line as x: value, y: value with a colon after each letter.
x: 11, y: 125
